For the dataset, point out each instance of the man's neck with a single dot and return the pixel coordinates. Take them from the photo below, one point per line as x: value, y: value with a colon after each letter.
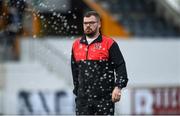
x: 93, y: 37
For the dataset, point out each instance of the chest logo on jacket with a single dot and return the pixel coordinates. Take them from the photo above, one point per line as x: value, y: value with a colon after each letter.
x: 97, y: 46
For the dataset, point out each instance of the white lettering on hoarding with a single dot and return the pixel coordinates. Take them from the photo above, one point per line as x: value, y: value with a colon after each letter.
x: 156, y: 101
x: 43, y: 102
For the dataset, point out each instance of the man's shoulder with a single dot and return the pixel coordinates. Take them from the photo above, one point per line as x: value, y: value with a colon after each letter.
x: 76, y: 41
x: 108, y: 39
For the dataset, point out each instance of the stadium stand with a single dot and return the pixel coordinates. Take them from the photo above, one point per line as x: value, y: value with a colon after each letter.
x: 140, y: 18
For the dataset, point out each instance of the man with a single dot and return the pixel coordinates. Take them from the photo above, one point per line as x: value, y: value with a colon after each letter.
x: 98, y: 70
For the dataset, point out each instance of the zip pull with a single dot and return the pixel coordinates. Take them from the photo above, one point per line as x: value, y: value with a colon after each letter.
x: 87, y: 49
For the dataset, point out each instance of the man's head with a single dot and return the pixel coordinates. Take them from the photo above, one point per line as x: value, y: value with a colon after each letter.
x: 91, y: 23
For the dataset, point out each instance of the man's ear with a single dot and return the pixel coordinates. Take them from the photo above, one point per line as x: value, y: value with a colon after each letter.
x: 99, y: 25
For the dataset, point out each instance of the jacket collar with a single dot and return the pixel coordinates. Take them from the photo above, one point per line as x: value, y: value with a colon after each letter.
x: 84, y: 41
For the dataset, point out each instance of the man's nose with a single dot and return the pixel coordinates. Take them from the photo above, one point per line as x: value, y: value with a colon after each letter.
x: 88, y: 24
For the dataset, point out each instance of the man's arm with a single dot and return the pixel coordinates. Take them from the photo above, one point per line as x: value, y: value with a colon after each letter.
x: 74, y: 73
x: 118, y: 63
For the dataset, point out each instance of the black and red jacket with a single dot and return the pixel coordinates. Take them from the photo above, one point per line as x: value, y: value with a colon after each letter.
x: 97, y: 67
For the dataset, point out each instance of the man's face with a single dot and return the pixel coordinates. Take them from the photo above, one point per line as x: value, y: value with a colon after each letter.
x: 91, y: 26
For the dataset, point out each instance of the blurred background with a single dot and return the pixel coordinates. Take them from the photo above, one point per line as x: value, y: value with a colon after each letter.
x: 35, y: 47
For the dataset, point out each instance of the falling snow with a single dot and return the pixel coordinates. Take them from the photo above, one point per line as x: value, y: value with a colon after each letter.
x: 58, y: 23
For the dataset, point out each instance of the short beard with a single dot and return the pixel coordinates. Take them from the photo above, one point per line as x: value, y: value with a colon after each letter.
x: 90, y: 35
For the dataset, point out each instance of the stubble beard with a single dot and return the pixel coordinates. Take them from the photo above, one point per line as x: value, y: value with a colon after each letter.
x: 90, y: 34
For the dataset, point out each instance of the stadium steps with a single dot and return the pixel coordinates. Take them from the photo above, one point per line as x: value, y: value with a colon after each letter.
x: 31, y: 75
x: 140, y: 18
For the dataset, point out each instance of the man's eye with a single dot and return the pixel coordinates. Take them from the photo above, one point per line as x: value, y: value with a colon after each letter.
x: 89, y: 23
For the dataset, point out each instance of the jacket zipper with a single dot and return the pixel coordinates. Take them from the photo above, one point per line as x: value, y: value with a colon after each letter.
x: 87, y: 52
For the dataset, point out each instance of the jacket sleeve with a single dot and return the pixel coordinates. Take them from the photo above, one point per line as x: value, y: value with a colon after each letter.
x: 74, y: 73
x: 119, y: 65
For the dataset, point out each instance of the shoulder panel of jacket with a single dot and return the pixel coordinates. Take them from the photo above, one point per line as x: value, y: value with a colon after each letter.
x: 76, y: 43
x: 109, y: 41
x: 96, y: 51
